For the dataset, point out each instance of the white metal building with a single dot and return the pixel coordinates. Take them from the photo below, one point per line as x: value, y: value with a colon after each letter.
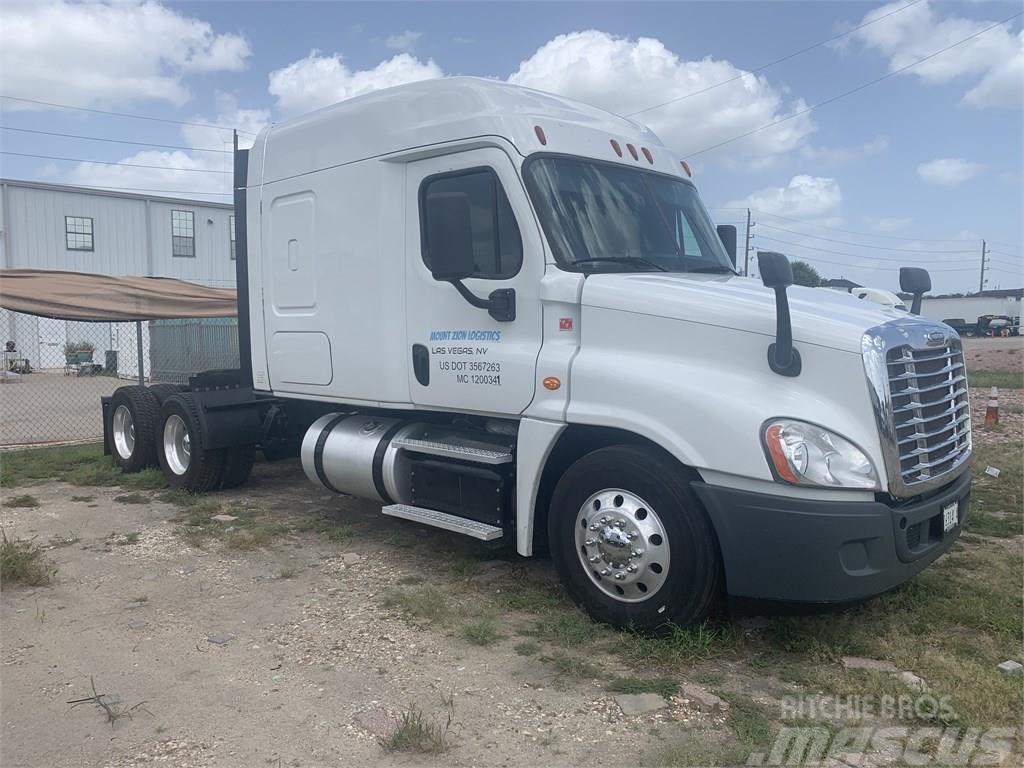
x: 61, y: 227
x: 969, y: 308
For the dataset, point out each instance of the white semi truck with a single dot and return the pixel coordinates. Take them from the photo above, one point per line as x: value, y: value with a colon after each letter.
x: 508, y: 314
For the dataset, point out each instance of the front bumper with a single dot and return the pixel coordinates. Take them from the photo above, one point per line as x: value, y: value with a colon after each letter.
x: 802, y: 550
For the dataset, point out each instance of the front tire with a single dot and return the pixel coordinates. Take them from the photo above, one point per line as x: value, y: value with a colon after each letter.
x: 631, y: 542
x: 134, y: 414
x: 185, y: 463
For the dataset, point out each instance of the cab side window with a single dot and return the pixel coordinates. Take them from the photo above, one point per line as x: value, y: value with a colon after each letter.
x: 497, y: 245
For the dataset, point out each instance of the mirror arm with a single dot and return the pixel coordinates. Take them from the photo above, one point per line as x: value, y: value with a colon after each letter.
x: 783, y: 358
x: 501, y: 304
x: 915, y: 306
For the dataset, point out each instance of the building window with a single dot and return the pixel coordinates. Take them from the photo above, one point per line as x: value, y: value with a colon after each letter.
x: 78, y: 233
x: 183, y: 234
x: 497, y: 245
x: 231, y: 227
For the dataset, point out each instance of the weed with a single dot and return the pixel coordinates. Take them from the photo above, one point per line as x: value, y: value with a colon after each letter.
x: 132, y: 498
x: 567, y: 665
x: 417, y: 733
x: 425, y: 603
x: 256, y: 537
x: 569, y: 629
x: 750, y: 722
x: 336, y: 533
x: 531, y: 599
x: 82, y: 498
x: 23, y: 562
x: 680, y: 644
x: 996, y: 502
x: 57, y: 540
x: 663, y: 686
x: 527, y: 648
x: 288, y: 573
x: 482, y: 631
x: 23, y: 500
x: 112, y: 709
x: 408, y: 581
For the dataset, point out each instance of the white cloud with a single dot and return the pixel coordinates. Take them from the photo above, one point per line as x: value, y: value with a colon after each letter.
x: 109, y: 54
x: 949, y: 171
x: 199, y: 174
x: 318, y: 80
x: 836, y: 156
x: 887, y: 224
x: 805, y: 197
x: 404, y: 41
x: 994, y: 61
x: 624, y: 75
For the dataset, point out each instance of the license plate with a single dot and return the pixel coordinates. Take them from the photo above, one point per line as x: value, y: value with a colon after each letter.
x: 950, y: 516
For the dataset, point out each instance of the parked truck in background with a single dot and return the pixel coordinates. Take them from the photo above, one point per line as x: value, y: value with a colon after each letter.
x: 507, y: 314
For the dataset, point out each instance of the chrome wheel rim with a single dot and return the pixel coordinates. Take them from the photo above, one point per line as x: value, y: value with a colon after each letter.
x: 123, y: 427
x: 622, y: 545
x: 177, y: 444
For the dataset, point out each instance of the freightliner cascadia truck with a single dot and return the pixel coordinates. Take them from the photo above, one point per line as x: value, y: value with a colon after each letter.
x: 508, y: 314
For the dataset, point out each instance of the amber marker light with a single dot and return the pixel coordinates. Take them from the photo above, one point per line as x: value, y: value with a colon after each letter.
x: 552, y: 383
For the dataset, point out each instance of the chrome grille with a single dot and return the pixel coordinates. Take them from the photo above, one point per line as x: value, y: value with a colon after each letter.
x: 931, y: 415
x: 919, y: 387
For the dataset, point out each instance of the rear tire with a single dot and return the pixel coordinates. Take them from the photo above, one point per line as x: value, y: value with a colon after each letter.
x: 164, y: 391
x: 631, y: 542
x: 237, y: 465
x: 179, y: 441
x: 134, y: 414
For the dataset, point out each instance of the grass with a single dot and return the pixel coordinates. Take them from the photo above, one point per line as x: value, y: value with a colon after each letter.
x: 83, y: 498
x: 23, y: 562
x: 663, y: 686
x: 83, y: 465
x: 482, y: 631
x: 414, y: 732
x: 23, y: 500
x: 996, y: 502
x: 567, y: 665
x: 288, y: 573
x: 132, y: 498
x: 681, y: 646
x: 428, y: 604
x: 527, y: 648
x: 1001, y: 379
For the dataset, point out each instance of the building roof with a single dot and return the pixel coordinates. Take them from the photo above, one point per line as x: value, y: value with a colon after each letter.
x: 840, y: 282
x: 72, y: 189
x: 411, y: 117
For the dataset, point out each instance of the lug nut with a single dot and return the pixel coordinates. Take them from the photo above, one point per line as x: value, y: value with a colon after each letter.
x: 605, y: 571
x: 631, y: 568
x: 631, y: 535
x: 637, y: 552
x: 594, y: 558
x: 594, y: 527
x: 620, y: 576
x: 620, y: 524
x: 590, y: 542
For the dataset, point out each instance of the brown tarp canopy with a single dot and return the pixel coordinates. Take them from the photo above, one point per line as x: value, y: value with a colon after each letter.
x: 103, y: 298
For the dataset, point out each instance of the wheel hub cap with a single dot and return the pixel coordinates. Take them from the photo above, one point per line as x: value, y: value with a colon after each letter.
x: 124, y: 432
x: 622, y: 544
x: 177, y: 444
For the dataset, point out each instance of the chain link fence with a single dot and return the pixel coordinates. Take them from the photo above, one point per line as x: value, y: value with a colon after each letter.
x: 55, y: 371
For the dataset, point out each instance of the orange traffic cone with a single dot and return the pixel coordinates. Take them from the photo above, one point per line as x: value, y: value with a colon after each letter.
x: 992, y: 409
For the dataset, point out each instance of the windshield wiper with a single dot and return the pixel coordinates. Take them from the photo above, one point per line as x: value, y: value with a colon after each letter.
x: 716, y: 269
x: 639, y: 260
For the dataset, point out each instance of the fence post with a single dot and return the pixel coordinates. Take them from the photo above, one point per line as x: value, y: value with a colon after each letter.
x: 138, y: 338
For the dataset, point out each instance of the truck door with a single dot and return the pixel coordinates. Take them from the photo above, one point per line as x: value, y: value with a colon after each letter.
x: 461, y: 357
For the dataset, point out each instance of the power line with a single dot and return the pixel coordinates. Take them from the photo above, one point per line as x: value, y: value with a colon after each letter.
x: 112, y: 162
x: 126, y: 114
x: 1004, y: 253
x: 859, y: 245
x: 807, y: 223
x: 852, y: 91
x: 840, y: 253
x: 112, y: 141
x: 149, y: 189
x: 772, y: 63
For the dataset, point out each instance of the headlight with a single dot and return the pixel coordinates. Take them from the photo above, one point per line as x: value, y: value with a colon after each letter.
x: 804, y: 454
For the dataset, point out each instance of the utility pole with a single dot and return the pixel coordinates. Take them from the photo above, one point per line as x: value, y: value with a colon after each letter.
x: 981, y: 280
x: 746, y: 249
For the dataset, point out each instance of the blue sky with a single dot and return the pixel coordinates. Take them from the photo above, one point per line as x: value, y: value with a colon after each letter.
x: 928, y: 161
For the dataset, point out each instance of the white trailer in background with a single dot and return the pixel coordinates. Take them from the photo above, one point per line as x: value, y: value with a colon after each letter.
x: 508, y: 314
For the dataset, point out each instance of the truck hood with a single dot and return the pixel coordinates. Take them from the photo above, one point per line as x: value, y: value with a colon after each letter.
x: 820, y: 316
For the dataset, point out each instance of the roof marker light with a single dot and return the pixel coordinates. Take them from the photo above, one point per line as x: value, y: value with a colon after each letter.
x: 686, y: 167
x: 540, y: 135
x: 632, y: 151
x: 648, y: 155
x: 616, y: 147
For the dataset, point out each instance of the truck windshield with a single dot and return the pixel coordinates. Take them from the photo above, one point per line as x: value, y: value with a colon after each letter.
x: 605, y: 217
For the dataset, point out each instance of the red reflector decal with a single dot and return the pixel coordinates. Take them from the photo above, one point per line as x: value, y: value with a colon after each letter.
x: 565, y: 324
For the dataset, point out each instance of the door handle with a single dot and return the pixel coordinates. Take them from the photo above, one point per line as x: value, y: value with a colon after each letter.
x: 421, y: 364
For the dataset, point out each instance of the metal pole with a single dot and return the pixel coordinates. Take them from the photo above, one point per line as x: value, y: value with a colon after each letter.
x: 981, y: 280
x: 746, y: 248
x: 138, y: 339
